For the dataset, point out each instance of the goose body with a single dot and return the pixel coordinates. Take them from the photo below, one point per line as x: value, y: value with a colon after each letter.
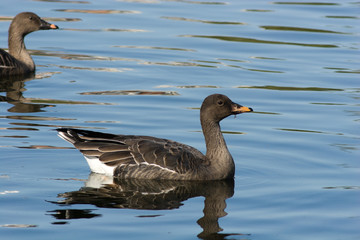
x: 18, y: 61
x: 146, y: 157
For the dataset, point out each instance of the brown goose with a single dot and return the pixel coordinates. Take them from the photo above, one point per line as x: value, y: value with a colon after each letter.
x: 18, y: 61
x: 144, y: 157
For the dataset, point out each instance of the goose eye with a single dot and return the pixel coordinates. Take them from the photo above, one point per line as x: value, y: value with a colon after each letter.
x: 31, y: 18
x: 220, y: 102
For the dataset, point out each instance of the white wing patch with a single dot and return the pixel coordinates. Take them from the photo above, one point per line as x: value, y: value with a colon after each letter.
x: 98, y: 167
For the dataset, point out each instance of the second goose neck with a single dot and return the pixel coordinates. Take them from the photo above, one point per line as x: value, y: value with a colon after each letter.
x: 17, y: 49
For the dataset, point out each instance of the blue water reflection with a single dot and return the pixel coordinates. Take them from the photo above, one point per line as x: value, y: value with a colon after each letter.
x: 143, y: 67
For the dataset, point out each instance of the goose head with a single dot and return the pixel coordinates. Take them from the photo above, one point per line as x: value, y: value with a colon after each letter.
x: 27, y: 22
x: 217, y: 107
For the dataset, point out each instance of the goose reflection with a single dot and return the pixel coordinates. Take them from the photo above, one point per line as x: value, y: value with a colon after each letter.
x: 107, y: 192
x: 14, y: 86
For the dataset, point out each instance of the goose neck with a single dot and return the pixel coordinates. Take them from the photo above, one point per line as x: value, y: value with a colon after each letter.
x: 214, y: 139
x: 17, y: 48
x: 221, y: 161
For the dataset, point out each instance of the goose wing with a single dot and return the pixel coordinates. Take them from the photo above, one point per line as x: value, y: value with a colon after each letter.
x: 6, y: 60
x: 116, y: 150
x: 10, y: 65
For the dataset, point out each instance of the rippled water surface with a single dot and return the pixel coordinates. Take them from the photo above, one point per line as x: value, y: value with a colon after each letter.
x: 144, y: 67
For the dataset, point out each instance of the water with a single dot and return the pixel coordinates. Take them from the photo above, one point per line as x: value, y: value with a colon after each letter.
x: 144, y: 67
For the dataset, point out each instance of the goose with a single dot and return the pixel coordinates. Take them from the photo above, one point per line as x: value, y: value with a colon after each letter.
x: 18, y: 61
x: 147, y: 157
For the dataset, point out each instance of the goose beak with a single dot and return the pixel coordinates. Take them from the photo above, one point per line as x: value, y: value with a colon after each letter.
x: 237, y: 109
x: 53, y: 26
x: 45, y: 25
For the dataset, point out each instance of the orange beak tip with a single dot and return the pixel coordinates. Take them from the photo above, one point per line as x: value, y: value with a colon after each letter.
x: 53, y: 26
x: 245, y: 109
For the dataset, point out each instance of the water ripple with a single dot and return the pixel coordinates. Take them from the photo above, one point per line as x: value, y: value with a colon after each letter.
x: 188, y: 86
x: 344, y: 70
x: 104, y: 30
x: 343, y: 17
x: 98, y: 11
x: 281, y: 88
x: 299, y: 29
x: 197, y: 2
x: 139, y: 1
x: 307, y: 131
x: 254, y: 40
x: 157, y: 48
x: 174, y: 63
x: 63, y: 1
x: 131, y: 92
x: 97, y: 69
x: 203, y: 21
x: 19, y: 225
x: 308, y: 3
x: 257, y: 10
x: 37, y: 118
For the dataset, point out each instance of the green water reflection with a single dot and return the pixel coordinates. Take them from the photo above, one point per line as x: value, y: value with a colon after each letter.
x: 203, y: 21
x: 308, y: 3
x: 299, y: 29
x: 254, y: 40
x: 281, y: 88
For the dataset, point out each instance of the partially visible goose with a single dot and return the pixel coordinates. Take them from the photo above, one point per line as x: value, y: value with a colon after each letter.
x: 144, y: 157
x: 18, y: 61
